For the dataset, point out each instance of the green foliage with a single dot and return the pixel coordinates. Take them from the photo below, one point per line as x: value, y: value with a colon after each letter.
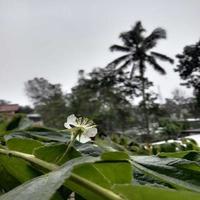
x: 51, y: 153
x: 17, y: 122
x: 24, y: 145
x: 48, y: 100
x: 99, y: 96
x: 172, y: 129
x: 182, y: 145
x: 54, y: 107
x: 105, y: 170
x: 145, y: 192
x: 14, y: 123
x: 137, y: 55
x: 189, y: 68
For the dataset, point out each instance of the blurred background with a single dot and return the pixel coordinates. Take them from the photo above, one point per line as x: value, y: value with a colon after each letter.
x: 132, y: 66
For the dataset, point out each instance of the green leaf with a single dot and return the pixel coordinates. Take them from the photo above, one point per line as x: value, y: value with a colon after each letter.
x: 115, y: 156
x: 91, y: 173
x: 49, y: 136
x: 193, y: 166
x: 14, y: 123
x: 176, y: 183
x: 7, y: 181
x: 103, y: 173
x: 119, y: 172
x: 52, y: 153
x: 23, y: 145
x: 132, y: 192
x: 189, y: 155
x: 40, y: 129
x: 18, y: 168
x: 43, y: 187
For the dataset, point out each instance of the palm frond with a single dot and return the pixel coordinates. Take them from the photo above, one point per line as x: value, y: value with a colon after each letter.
x: 136, y: 33
x: 151, y: 60
x: 162, y: 57
x: 151, y: 40
x: 119, y: 48
x: 138, y: 27
x: 125, y: 37
x: 132, y: 70
x: 133, y: 37
x: 117, y: 61
x: 126, y: 64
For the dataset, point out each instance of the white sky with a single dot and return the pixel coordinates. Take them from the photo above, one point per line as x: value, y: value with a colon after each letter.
x: 55, y: 38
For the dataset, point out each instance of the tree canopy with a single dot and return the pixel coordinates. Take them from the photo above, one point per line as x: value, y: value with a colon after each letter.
x: 48, y: 100
x: 189, y: 67
x: 138, y: 54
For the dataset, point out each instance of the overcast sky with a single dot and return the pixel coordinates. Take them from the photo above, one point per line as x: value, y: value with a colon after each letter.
x: 55, y: 38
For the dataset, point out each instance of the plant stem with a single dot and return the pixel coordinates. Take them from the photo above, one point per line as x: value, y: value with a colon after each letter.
x: 30, y: 158
x: 68, y: 148
x: 105, y: 193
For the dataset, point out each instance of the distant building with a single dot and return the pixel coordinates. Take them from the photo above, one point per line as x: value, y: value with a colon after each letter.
x: 9, y: 110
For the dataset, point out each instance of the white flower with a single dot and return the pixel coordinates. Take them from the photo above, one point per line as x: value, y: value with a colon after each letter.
x: 87, y: 127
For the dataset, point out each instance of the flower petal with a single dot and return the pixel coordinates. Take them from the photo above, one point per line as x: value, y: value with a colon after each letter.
x: 83, y: 139
x: 90, y: 132
x: 71, y: 120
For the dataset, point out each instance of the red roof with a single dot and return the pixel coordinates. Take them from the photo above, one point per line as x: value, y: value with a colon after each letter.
x: 9, y: 108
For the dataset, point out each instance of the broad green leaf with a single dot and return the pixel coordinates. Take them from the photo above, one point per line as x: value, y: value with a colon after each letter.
x: 7, y: 181
x: 40, y: 129
x: 14, y: 122
x: 189, y: 155
x: 131, y: 192
x: 49, y: 136
x: 23, y: 145
x: 52, y: 153
x: 176, y: 183
x: 103, y: 173
x: 90, y: 172
x: 119, y: 172
x: 106, y: 173
x: 24, y: 123
x: 193, y: 166
x: 115, y: 156
x: 18, y: 168
x: 43, y: 187
x: 179, y: 154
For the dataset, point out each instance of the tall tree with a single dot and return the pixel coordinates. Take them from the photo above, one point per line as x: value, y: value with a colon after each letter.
x: 48, y: 100
x: 189, y: 68
x: 138, y: 55
x: 40, y: 90
x: 98, y: 96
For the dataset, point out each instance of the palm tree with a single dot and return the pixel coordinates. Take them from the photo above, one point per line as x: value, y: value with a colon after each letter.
x: 138, y: 55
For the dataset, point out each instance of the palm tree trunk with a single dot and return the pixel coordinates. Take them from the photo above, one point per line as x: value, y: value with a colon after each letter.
x: 144, y: 105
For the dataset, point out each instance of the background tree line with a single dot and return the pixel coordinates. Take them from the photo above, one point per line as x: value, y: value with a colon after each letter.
x: 106, y: 94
